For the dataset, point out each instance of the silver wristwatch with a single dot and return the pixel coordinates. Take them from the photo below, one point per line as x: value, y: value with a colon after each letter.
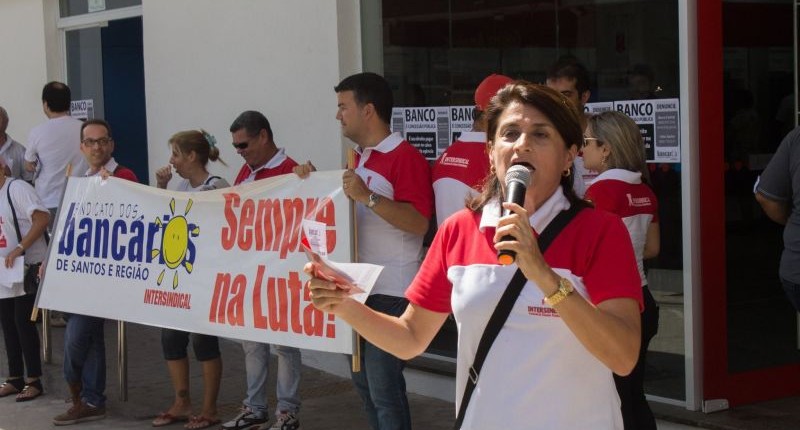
x: 373, y: 200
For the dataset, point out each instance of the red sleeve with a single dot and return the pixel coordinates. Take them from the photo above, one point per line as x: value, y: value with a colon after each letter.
x: 244, y: 172
x: 611, y: 270
x: 286, y: 166
x: 597, y: 193
x: 430, y: 288
x: 125, y: 173
x: 412, y: 180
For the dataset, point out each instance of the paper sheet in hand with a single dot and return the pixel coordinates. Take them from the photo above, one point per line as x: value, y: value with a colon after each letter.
x: 14, y: 275
x: 355, y: 278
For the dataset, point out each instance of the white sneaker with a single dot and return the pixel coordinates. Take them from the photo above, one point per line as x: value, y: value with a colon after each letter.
x: 245, y: 420
x: 286, y: 421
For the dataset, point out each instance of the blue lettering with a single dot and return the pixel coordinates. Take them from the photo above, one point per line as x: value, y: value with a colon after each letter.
x: 118, y: 250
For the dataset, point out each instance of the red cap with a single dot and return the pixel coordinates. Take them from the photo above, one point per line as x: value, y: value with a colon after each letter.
x: 488, y: 88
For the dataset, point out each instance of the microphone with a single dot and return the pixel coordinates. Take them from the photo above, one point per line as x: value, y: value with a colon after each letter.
x: 518, y: 178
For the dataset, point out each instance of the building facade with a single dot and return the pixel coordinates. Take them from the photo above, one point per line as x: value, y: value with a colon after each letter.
x: 727, y: 70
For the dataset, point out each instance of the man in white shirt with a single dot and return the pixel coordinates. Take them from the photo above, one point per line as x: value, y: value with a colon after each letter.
x: 53, y: 146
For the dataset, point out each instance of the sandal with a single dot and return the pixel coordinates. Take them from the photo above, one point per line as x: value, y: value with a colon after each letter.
x: 166, y: 418
x: 11, y: 386
x: 30, y: 391
x: 201, y: 422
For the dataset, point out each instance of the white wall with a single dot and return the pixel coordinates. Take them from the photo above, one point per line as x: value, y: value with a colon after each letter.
x: 206, y: 61
x: 23, y: 72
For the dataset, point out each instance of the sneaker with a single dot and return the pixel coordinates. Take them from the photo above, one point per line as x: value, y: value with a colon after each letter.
x: 78, y: 413
x: 286, y: 421
x: 244, y: 420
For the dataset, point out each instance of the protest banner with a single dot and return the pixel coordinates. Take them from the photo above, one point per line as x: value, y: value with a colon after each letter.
x: 225, y: 262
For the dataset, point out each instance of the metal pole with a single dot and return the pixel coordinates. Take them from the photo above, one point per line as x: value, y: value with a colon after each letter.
x: 122, y: 360
x: 47, y: 337
x: 356, y: 358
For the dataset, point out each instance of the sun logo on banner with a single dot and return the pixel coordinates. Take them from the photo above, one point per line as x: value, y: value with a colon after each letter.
x: 175, y: 242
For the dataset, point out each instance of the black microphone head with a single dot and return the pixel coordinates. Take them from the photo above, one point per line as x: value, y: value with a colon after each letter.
x: 519, y: 174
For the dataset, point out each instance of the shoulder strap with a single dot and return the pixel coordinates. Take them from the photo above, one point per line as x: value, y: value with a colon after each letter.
x: 13, y: 212
x: 504, y: 306
x: 210, y: 178
x: 16, y: 221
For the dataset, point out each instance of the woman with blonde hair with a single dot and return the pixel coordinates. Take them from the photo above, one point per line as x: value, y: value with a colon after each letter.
x: 191, y: 152
x: 613, y: 146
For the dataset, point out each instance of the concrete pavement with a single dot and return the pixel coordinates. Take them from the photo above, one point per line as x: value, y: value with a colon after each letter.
x: 329, y: 400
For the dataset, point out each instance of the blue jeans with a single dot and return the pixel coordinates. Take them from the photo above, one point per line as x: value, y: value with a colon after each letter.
x: 381, y: 383
x: 256, y: 365
x: 792, y: 292
x: 85, y: 357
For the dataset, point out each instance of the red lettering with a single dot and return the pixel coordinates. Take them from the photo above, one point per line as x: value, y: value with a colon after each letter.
x: 294, y: 290
x: 259, y: 320
x: 267, y: 211
x: 219, y: 300
x: 276, y: 301
x: 312, y: 320
x: 293, y: 211
x: 229, y: 233
x: 274, y: 225
x: 327, y: 215
x: 246, y: 231
x: 235, y: 308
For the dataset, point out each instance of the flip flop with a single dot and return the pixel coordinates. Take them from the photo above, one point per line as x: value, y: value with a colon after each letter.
x: 201, y: 422
x: 166, y: 418
x: 30, y: 391
x: 11, y: 386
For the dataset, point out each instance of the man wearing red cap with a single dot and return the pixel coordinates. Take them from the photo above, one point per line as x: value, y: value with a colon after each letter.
x: 460, y: 171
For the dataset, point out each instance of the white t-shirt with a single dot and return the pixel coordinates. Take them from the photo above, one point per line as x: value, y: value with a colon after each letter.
x: 25, y: 203
x: 55, y: 144
x: 210, y: 183
x: 396, y: 170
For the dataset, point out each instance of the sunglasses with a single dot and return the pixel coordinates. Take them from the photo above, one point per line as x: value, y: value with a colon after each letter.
x: 241, y: 145
x: 586, y: 140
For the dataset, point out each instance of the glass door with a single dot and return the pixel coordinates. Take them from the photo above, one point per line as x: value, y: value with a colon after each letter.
x: 435, y: 52
x: 105, y: 71
x: 751, y: 341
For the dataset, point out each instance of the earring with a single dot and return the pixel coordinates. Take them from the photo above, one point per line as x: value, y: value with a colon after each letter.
x: 566, y: 172
x: 492, y: 170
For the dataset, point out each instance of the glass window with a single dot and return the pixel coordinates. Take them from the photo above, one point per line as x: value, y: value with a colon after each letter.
x: 435, y: 52
x: 759, y: 109
x: 80, y: 7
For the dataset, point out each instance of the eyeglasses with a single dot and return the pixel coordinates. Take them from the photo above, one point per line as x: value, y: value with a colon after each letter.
x: 103, y: 141
x: 586, y: 140
x: 241, y: 145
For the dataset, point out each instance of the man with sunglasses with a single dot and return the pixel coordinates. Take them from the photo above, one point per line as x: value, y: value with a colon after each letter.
x: 84, y: 338
x: 253, y: 140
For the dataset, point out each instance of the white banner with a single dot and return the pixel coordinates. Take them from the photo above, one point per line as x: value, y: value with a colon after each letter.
x: 225, y: 262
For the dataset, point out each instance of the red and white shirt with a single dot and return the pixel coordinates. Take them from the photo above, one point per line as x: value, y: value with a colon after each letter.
x: 396, y: 170
x: 279, y: 164
x: 537, y: 372
x: 622, y: 192
x: 459, y: 173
